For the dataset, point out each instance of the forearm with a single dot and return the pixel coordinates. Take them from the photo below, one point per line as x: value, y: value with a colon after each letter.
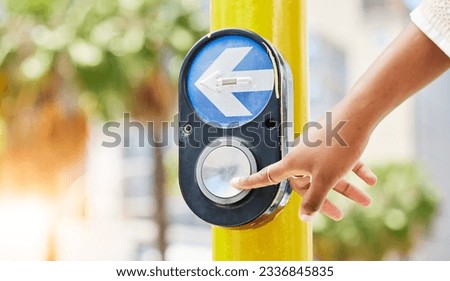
x: 411, y: 62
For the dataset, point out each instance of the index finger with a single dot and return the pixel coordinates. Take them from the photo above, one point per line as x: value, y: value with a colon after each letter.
x: 270, y: 175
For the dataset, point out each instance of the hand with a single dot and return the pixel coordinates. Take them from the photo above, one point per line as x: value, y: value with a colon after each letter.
x: 302, y: 184
x: 315, y: 170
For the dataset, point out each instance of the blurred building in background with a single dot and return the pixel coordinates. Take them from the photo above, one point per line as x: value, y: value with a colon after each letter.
x: 432, y: 133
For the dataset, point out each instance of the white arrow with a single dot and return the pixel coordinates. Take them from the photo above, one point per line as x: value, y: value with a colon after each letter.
x: 219, y: 81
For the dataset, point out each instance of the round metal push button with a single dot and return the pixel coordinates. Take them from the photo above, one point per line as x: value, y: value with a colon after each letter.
x: 219, y: 162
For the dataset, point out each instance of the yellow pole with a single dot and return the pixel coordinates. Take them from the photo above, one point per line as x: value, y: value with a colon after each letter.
x: 282, y: 22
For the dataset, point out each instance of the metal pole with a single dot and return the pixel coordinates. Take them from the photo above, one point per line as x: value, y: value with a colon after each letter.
x: 283, y: 22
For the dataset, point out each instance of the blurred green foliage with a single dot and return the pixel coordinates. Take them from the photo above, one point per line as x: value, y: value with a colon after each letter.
x: 404, y: 205
x: 103, y: 49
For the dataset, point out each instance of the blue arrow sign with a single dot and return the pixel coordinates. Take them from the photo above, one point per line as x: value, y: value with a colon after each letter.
x: 230, y: 81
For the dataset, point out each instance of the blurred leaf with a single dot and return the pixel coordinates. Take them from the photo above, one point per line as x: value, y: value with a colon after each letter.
x: 85, y: 54
x: 36, y: 66
x: 40, y: 9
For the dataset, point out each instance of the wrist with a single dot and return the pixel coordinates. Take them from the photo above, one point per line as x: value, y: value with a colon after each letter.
x: 360, y: 112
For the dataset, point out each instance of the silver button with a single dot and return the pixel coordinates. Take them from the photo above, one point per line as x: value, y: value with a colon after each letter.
x: 219, y: 162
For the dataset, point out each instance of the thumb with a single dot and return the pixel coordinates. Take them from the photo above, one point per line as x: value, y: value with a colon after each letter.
x: 270, y: 175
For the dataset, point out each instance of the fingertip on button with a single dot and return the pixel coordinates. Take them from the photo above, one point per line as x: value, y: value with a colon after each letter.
x: 235, y: 183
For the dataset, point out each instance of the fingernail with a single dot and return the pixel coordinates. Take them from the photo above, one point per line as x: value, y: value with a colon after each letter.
x: 308, y: 218
x: 372, y: 176
x: 375, y: 179
x: 234, y: 182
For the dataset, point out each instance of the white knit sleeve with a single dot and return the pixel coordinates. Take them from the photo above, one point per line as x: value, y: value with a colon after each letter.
x: 433, y: 18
